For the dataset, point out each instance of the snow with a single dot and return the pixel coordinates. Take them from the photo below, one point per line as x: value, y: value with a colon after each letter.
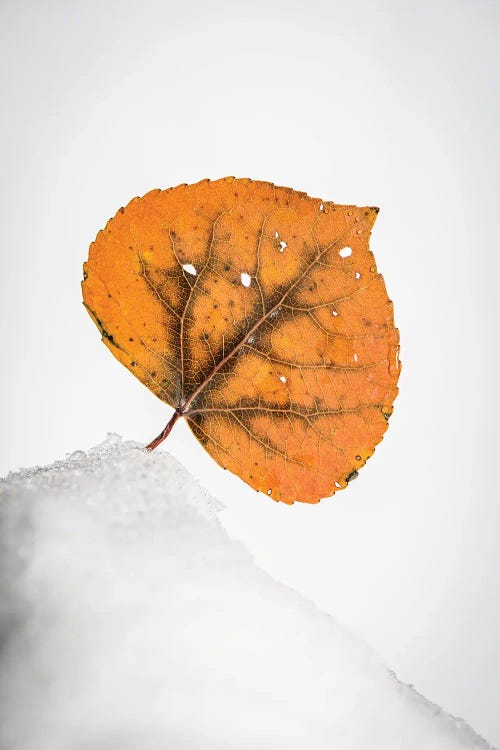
x: 131, y: 621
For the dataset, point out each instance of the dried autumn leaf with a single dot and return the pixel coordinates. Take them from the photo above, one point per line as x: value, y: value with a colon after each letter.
x: 259, y: 315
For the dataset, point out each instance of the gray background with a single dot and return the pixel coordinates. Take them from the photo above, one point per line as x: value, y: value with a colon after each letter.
x: 389, y: 104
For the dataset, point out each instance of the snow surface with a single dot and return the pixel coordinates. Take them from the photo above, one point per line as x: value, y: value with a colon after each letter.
x: 130, y: 621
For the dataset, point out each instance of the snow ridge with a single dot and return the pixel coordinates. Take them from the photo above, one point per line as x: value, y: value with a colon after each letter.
x: 130, y: 620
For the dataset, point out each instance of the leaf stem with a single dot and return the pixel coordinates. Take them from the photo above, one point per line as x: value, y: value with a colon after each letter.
x: 165, y: 432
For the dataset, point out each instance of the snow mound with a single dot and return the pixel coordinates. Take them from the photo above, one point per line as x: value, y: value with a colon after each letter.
x: 130, y: 621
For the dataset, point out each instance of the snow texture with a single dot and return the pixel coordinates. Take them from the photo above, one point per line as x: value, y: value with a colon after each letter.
x: 130, y: 621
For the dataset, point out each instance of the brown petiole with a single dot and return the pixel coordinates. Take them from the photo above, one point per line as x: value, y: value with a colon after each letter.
x: 165, y: 432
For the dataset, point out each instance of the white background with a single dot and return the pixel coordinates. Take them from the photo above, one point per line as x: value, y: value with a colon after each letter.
x: 389, y: 104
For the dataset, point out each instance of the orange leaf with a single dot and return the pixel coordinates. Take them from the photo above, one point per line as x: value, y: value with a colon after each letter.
x: 259, y: 315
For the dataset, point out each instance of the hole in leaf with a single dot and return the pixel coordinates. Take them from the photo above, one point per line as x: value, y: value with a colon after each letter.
x: 358, y: 275
x: 337, y: 484
x: 276, y: 234
x: 189, y: 268
x: 269, y: 491
x: 321, y: 207
x: 282, y: 245
x: 334, y: 313
x: 245, y: 279
x: 282, y: 378
x: 345, y: 252
x: 355, y: 357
